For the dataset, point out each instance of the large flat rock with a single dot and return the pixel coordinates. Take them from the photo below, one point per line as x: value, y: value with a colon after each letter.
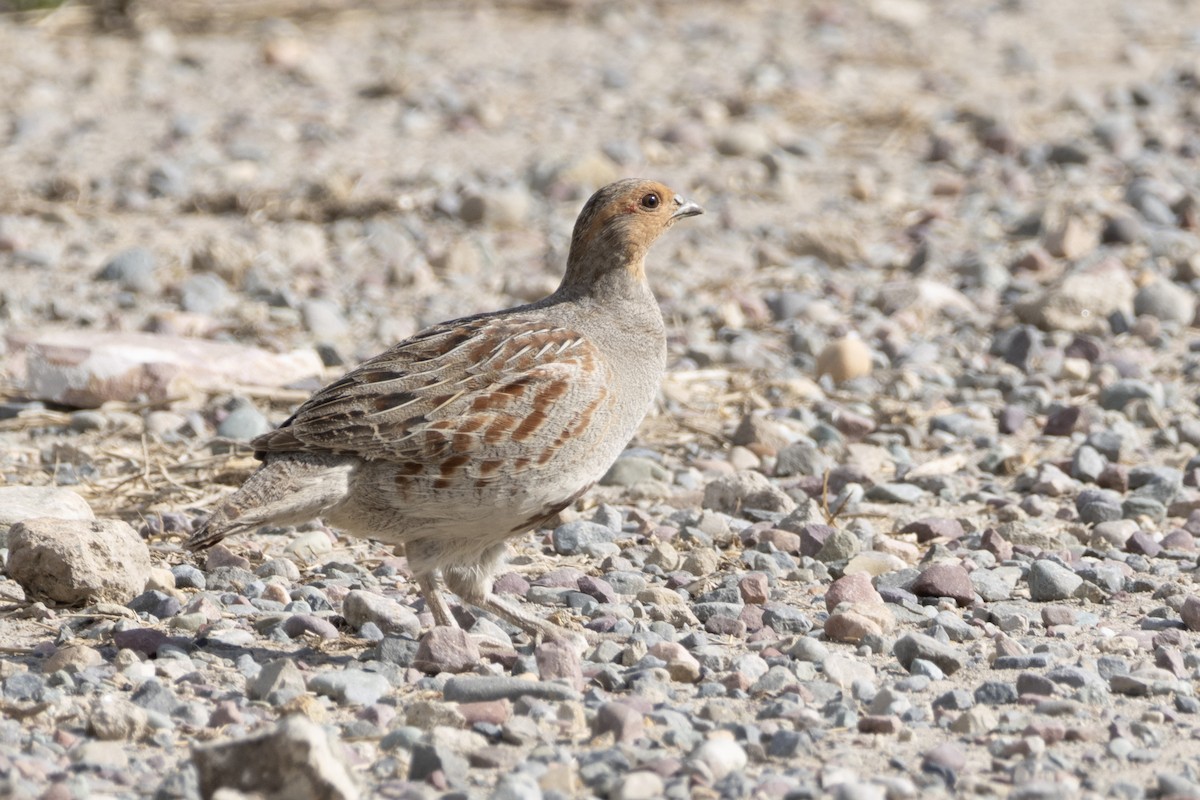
x: 88, y: 368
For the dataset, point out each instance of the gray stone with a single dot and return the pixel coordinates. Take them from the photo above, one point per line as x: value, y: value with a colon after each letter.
x: 995, y: 693
x: 24, y: 686
x: 995, y: 584
x: 918, y: 645
x: 277, y: 682
x: 1108, y: 443
x: 133, y: 269
x: 360, y: 608
x: 746, y: 489
x: 632, y: 470
x: 205, y: 293
x: 802, y: 458
x: 1124, y: 391
x: 839, y: 546
x: 188, y: 577
x: 157, y: 604
x: 1087, y: 464
x: 243, y: 423
x: 1162, y: 484
x: 324, y: 320
x: 1167, y: 301
x: 152, y: 695
x: 397, y: 650
x: 480, y: 689
x: 785, y: 619
x: 903, y: 493
x: 1141, y: 506
x: 1050, y: 581
x: 353, y: 687
x: 297, y: 760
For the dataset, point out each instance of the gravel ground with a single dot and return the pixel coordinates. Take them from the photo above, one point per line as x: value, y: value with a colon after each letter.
x: 917, y: 513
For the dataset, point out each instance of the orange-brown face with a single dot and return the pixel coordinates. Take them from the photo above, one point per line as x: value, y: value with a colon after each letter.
x: 628, y: 215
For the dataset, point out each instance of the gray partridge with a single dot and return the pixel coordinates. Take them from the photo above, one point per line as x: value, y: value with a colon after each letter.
x: 480, y: 429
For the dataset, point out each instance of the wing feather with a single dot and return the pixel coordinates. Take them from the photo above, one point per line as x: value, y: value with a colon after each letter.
x: 488, y: 396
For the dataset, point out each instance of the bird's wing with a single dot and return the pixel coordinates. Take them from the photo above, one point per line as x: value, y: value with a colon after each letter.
x: 504, y: 394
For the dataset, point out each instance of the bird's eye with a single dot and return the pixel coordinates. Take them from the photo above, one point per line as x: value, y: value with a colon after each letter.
x: 651, y: 201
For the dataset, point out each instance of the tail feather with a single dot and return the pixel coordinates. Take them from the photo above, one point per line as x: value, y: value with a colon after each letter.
x: 288, y: 489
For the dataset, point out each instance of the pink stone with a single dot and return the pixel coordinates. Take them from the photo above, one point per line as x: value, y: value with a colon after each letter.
x: 446, y: 650
x: 854, y: 588
x: 945, y: 580
x: 755, y: 588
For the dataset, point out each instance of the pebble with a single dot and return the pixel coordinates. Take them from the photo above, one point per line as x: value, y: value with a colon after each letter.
x: 361, y: 607
x: 133, y: 269
x: 845, y: 359
x: 720, y: 756
x: 1049, y: 581
x: 297, y: 753
x: 746, y: 490
x: 277, y: 682
x: 945, y: 580
x: 350, y: 686
x: 580, y: 536
x: 481, y: 689
x: 91, y: 368
x: 1167, y: 301
x: 243, y: 423
x: 205, y: 294
x: 446, y: 650
x: 915, y: 646
x: 624, y: 722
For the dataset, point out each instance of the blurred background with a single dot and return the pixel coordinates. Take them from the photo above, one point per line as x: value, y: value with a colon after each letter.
x: 338, y: 175
x: 395, y: 163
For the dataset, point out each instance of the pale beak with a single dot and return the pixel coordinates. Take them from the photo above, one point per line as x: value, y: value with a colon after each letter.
x: 687, y: 209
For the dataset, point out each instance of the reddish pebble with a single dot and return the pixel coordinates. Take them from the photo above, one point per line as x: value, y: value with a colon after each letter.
x: 945, y: 580
x: 784, y: 541
x: 222, y: 556
x: 494, y: 712
x: 1143, y: 543
x: 558, y: 660
x: 812, y: 538
x: 752, y: 618
x: 1178, y: 539
x: 620, y: 719
x: 1190, y: 612
x: 226, y: 713
x: 932, y: 528
x: 855, y: 588
x: 300, y: 624
x: 996, y: 544
x: 511, y: 583
x: 597, y: 588
x: 725, y: 626
x: 446, y: 650
x: 881, y: 725
x: 755, y: 588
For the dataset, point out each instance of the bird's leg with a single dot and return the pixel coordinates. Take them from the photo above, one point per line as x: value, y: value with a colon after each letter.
x: 474, y: 585
x: 433, y: 598
x: 535, y: 626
